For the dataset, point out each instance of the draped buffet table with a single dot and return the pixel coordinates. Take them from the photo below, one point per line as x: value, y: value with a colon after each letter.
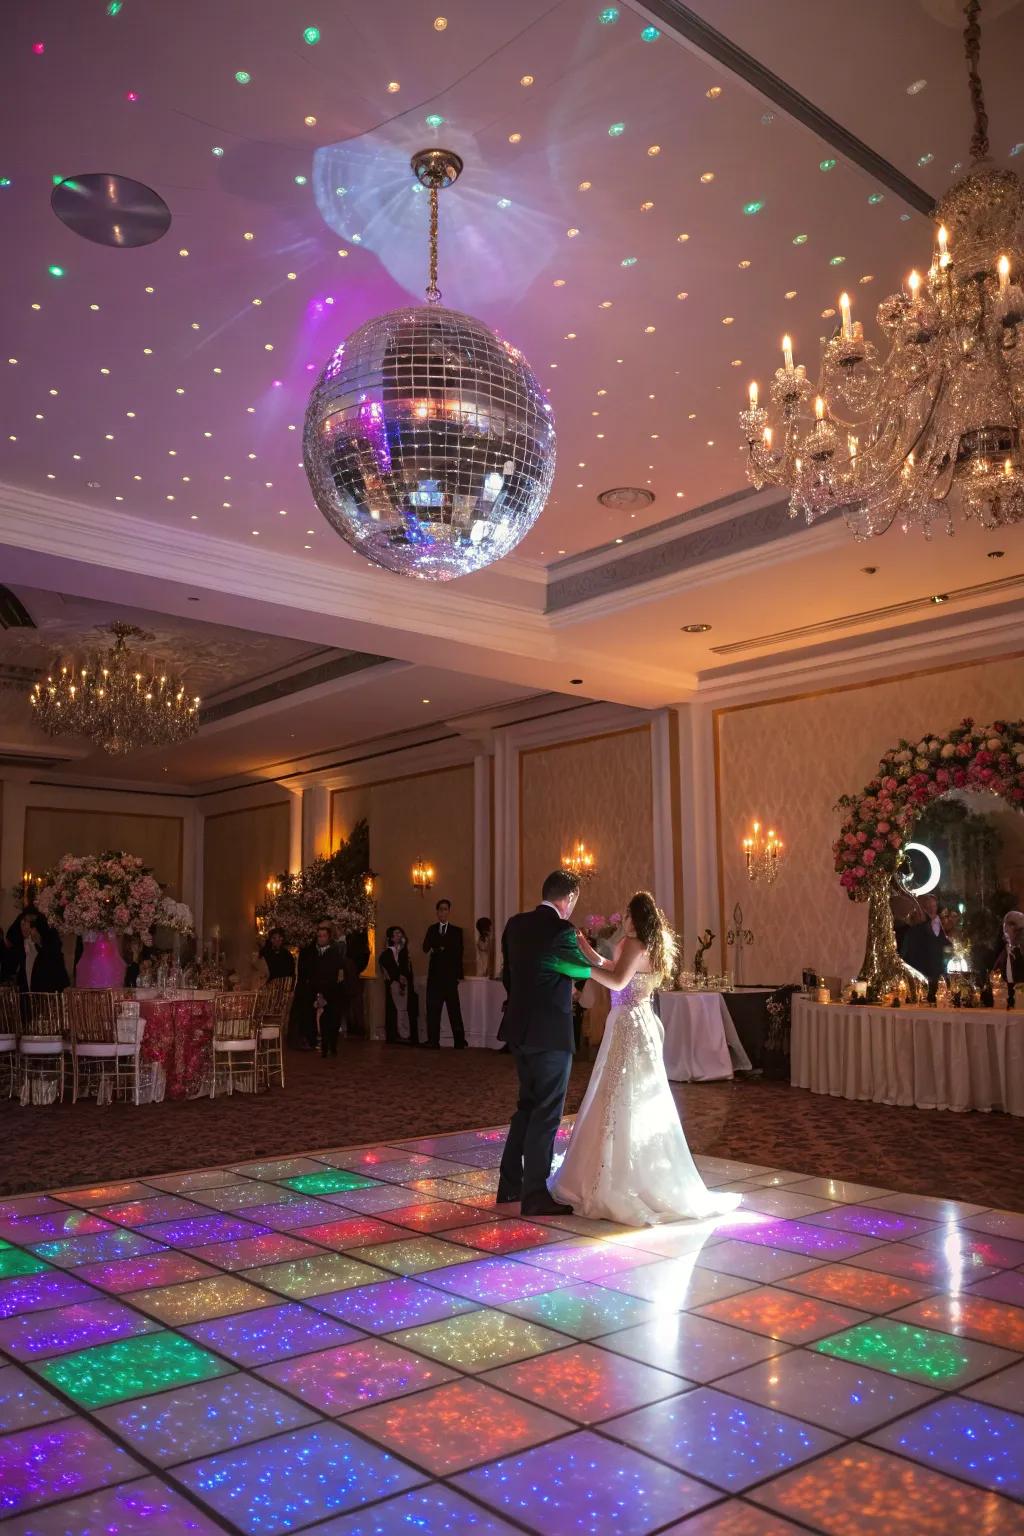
x: 701, y: 1043
x: 934, y: 1058
x: 176, y: 1059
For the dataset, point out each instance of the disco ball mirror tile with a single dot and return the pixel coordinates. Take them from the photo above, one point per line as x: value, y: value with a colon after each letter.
x: 428, y: 444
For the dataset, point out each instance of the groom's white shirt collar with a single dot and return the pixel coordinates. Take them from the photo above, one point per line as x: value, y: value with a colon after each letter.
x: 551, y: 905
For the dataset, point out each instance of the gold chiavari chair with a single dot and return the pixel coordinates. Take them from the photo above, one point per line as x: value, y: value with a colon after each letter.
x: 10, y: 1022
x: 103, y: 1050
x: 235, y: 1042
x: 273, y: 1003
x: 42, y: 1042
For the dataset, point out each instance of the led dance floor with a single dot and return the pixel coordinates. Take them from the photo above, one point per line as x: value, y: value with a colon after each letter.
x: 358, y: 1343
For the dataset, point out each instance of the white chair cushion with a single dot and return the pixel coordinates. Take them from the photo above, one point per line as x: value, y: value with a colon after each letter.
x: 234, y: 1045
x: 8, y: 1042
x: 42, y: 1045
x: 270, y: 1032
x: 102, y: 1048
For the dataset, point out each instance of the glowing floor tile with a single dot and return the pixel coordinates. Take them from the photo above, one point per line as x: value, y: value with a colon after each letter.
x: 1004, y: 1390
x: 110, y: 1372
x: 349, y: 1232
x: 379, y: 1198
x: 586, y: 1383
x: 940, y: 1271
x: 973, y: 1317
x: 147, y: 1507
x: 24, y: 1230
x: 393, y: 1304
x: 412, y: 1255
x: 37, y: 1292
x: 285, y: 1215
x: 734, y: 1518
x: 477, y: 1178
x: 247, y: 1252
x: 838, y: 1189
x: 295, y: 1479
x: 502, y: 1236
x: 782, y: 1314
x: 24, y: 1401
x: 480, y: 1157
x: 337, y: 1381
x: 254, y: 1338
x: 435, y: 1510
x: 457, y: 1425
x: 201, y: 1178
x: 1007, y: 1286
x: 580, y: 1486
x: 787, y: 1202
x: 37, y: 1335
x: 201, y: 1230
x: 869, y: 1221
x: 356, y: 1158
x: 450, y: 1189
x: 920, y: 1354
x: 327, y: 1182
x: 753, y: 1262
x: 300, y: 1278
x: 675, y: 1285
x: 14, y: 1261
x: 412, y: 1170
x: 28, y: 1205
x: 479, y: 1340
x: 142, y: 1213
x: 233, y: 1197
x: 997, y: 1224
x: 961, y: 1246
x: 457, y: 1141
x: 860, y: 1491
x: 54, y: 1461
x: 845, y: 1398
x: 678, y: 1240
x: 583, y: 1259
x: 495, y: 1280
x: 278, y: 1168
x: 199, y: 1300
x: 802, y: 1237
x: 931, y: 1207
x: 201, y: 1419
x: 124, y: 1275
x: 103, y: 1194
x: 583, y: 1311
x: 432, y: 1215
x: 67, y: 1252
x: 869, y: 1290
x: 975, y: 1441
x: 724, y: 1440
x: 696, y: 1348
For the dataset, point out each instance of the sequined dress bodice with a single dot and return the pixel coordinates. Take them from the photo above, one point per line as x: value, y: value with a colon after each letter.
x: 637, y: 990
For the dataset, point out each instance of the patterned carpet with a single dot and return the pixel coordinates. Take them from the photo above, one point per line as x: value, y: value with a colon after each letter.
x: 373, y: 1093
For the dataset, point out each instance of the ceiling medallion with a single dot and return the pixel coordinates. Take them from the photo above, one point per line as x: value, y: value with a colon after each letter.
x: 111, y: 210
x: 119, y: 702
x: 935, y: 424
x: 428, y: 444
x: 626, y: 498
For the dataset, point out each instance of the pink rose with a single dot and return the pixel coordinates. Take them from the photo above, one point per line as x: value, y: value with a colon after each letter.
x: 862, y: 837
x: 869, y: 856
x: 860, y: 871
x: 883, y: 827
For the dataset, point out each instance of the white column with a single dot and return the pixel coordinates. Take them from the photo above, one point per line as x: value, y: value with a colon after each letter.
x: 12, y: 846
x: 483, y: 890
x: 295, y: 832
x: 316, y: 822
x: 698, y: 824
x: 661, y: 807
x: 506, y: 831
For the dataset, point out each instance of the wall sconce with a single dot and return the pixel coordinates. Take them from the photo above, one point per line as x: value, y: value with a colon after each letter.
x: 29, y: 887
x: 273, y: 890
x: 422, y: 876
x: 369, y: 881
x: 580, y: 862
x: 762, y: 853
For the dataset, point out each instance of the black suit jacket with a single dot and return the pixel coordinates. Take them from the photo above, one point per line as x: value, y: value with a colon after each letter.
x: 926, y: 951
x: 540, y: 958
x: 445, y: 951
x: 320, y: 973
x: 393, y: 967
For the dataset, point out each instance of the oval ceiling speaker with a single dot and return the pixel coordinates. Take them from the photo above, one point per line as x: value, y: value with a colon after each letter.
x: 111, y: 210
x: 626, y: 498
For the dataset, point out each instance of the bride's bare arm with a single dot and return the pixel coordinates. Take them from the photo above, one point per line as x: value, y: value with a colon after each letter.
x: 623, y: 968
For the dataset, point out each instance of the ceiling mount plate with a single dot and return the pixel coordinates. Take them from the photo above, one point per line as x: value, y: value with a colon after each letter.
x: 111, y: 210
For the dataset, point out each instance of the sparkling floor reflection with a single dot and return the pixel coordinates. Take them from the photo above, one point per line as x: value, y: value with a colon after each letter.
x: 360, y: 1342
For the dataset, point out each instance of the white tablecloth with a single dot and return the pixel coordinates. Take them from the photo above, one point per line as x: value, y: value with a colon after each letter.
x: 481, y: 1001
x: 701, y: 1043
x: 957, y: 1058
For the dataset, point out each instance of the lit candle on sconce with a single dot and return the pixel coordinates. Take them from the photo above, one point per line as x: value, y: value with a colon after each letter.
x: 787, y: 353
x: 819, y: 409
x: 844, y: 307
x: 752, y: 392
x: 853, y: 447
x: 914, y: 284
x: 767, y: 438
x: 1003, y: 268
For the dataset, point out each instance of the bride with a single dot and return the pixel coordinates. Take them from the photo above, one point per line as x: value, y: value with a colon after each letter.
x: 627, y: 1159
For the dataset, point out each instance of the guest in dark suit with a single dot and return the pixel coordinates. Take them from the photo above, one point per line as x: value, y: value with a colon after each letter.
x: 279, y: 959
x: 320, y: 977
x: 395, y: 967
x: 925, y: 945
x: 443, y: 944
x: 41, y: 967
x: 541, y: 957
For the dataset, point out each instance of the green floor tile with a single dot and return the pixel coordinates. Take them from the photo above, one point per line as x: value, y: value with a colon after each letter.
x: 902, y: 1350
x: 108, y: 1373
x: 13, y: 1261
x: 333, y: 1181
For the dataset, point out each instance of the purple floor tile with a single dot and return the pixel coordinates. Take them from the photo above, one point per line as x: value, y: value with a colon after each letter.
x: 38, y: 1335
x: 274, y: 1333
x: 37, y: 1293
x: 56, y: 1461
x: 976, y: 1441
x: 147, y: 1507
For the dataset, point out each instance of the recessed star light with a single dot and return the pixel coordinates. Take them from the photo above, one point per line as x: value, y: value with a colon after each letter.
x: 874, y: 198
x: 799, y: 239
x: 707, y: 176
x: 616, y: 130
x: 242, y: 76
x: 515, y: 138
x: 440, y: 23
x: 649, y: 35
x: 435, y: 120
x: 311, y: 35
x: 682, y: 239
x: 925, y: 159
x: 752, y: 208
x: 526, y: 80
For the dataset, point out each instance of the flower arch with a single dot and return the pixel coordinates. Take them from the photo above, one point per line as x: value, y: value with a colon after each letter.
x: 910, y: 776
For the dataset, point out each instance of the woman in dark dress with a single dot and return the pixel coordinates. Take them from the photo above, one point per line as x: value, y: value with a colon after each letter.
x: 41, y: 967
x: 279, y: 958
x: 400, y: 999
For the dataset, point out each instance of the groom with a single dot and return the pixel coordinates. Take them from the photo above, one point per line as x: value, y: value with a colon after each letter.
x: 541, y: 958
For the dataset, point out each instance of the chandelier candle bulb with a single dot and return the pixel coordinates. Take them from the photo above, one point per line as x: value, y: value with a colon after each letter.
x: 944, y: 256
x: 753, y: 395
x: 819, y: 409
x: 914, y: 283
x: 767, y: 437
x: 1003, y: 268
x: 844, y: 305
x: 787, y: 353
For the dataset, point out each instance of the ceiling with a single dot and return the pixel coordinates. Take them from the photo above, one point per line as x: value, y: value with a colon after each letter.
x: 157, y: 395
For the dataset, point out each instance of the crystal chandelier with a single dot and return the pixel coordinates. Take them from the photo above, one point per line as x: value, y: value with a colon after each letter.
x: 762, y: 854
x: 934, y: 423
x: 428, y: 443
x: 119, y: 703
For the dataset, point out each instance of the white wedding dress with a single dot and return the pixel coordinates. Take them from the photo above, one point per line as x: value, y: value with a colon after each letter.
x: 627, y: 1159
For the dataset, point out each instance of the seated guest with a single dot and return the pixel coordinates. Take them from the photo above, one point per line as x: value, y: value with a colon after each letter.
x: 279, y: 958
x: 42, y: 967
x: 926, y: 946
x: 484, y: 947
x: 319, y: 986
x: 401, y: 1004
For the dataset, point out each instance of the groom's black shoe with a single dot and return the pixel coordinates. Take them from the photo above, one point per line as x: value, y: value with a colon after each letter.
x: 507, y: 1196
x: 543, y: 1205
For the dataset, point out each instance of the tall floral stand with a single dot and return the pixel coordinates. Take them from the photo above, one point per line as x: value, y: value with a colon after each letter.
x: 102, y: 964
x: 882, y: 968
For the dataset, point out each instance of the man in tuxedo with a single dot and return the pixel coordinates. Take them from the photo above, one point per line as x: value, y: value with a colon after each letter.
x: 925, y: 945
x: 540, y: 957
x: 443, y: 944
x: 321, y: 965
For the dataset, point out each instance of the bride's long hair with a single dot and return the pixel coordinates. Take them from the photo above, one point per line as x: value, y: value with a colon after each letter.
x: 651, y: 928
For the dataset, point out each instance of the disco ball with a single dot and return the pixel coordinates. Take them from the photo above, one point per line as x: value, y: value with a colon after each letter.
x: 428, y: 443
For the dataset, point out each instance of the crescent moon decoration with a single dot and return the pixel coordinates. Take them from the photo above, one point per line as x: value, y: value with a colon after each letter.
x: 934, y: 870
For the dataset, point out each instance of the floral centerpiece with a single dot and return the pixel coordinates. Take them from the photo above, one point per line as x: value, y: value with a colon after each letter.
x: 879, y: 820
x: 334, y: 888
x: 104, y: 897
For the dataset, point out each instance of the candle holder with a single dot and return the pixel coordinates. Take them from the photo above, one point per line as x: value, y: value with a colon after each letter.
x: 739, y: 939
x: 422, y: 876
